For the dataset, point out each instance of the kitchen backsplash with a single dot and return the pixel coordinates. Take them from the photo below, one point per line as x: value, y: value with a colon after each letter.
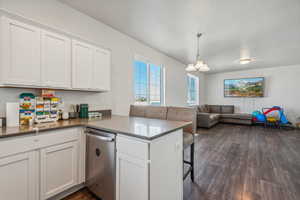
x: 96, y: 101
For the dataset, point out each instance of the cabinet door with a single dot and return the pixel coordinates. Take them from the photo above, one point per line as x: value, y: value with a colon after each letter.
x: 56, y: 60
x: 82, y: 65
x: 21, y: 53
x: 59, y: 168
x: 102, y: 64
x: 19, y: 177
x: 132, y: 178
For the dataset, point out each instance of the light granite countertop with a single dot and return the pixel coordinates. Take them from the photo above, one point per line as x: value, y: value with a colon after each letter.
x: 144, y: 128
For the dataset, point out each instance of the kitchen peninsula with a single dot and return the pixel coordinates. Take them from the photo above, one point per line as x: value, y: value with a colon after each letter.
x: 148, y: 158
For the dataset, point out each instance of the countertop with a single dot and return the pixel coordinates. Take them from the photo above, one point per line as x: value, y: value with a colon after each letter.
x: 144, y: 128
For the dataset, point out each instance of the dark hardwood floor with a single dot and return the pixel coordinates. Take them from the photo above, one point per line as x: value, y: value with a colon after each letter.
x: 246, y: 163
x: 83, y: 194
x: 242, y: 163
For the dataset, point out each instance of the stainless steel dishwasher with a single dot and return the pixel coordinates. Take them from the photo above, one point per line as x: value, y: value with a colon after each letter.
x: 101, y: 163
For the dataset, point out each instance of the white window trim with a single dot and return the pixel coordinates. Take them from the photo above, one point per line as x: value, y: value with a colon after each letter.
x: 144, y: 59
x: 196, y: 103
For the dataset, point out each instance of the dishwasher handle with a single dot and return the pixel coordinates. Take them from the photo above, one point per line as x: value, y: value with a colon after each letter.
x: 103, y: 138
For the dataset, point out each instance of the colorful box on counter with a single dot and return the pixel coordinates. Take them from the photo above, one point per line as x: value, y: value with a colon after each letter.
x: 47, y: 109
x: 40, y: 109
x: 27, y: 108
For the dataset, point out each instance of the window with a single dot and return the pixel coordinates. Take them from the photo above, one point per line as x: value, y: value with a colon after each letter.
x: 148, y: 83
x: 193, y: 89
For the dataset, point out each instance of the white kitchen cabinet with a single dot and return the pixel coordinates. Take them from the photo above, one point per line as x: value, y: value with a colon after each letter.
x: 32, y: 56
x: 82, y: 65
x: 56, y: 60
x: 19, y: 177
x: 101, y: 73
x: 132, y: 178
x: 21, y: 51
x: 40, y: 166
x: 150, y: 168
x: 90, y: 67
x: 59, y: 168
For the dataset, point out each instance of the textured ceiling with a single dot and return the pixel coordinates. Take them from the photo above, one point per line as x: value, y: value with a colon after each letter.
x: 267, y: 30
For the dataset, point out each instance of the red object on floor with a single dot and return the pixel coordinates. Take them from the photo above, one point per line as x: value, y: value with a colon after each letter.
x: 271, y: 110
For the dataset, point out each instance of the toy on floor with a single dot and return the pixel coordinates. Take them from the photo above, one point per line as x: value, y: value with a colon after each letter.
x: 264, y: 116
x: 258, y: 116
x: 281, y: 116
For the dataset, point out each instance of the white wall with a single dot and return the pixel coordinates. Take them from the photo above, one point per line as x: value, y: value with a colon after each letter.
x: 123, y: 49
x: 282, y: 88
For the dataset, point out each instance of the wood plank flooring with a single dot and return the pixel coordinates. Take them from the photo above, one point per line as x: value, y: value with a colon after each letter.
x: 242, y: 163
x: 83, y: 194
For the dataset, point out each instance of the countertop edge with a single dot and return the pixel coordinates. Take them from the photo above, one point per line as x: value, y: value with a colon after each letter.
x: 31, y: 132
x: 84, y: 124
x: 137, y: 136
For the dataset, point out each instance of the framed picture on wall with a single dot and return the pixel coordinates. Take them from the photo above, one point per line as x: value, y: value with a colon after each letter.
x: 244, y: 87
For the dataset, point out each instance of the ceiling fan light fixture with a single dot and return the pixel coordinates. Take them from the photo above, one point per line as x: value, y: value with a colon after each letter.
x: 245, y: 61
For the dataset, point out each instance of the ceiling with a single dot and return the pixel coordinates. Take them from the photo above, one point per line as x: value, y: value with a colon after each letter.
x: 267, y: 30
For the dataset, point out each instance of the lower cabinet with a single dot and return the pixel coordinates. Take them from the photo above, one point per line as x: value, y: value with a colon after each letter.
x: 40, y: 166
x: 150, y: 170
x: 59, y: 168
x: 131, y: 173
x: 19, y: 177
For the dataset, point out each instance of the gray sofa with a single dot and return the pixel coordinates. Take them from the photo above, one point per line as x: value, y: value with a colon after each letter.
x: 210, y: 115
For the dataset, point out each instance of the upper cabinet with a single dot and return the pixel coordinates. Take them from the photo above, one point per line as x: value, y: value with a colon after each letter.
x: 101, y: 75
x: 56, y: 60
x: 37, y: 58
x: 90, y: 67
x: 82, y: 65
x: 21, y: 53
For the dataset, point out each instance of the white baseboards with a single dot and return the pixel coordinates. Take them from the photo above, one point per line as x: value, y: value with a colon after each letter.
x: 67, y: 192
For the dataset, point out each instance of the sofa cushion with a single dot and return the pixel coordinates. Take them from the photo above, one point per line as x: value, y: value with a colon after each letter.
x: 227, y: 109
x: 156, y: 112
x: 243, y: 116
x: 203, y: 108
x: 214, y: 116
x: 214, y: 109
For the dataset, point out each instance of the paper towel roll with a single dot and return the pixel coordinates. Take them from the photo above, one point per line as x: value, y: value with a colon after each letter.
x: 12, y: 114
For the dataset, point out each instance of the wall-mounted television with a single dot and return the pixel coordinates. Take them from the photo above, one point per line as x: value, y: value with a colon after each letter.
x: 244, y: 87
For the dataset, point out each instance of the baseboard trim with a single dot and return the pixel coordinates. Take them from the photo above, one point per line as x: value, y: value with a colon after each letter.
x: 67, y: 192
